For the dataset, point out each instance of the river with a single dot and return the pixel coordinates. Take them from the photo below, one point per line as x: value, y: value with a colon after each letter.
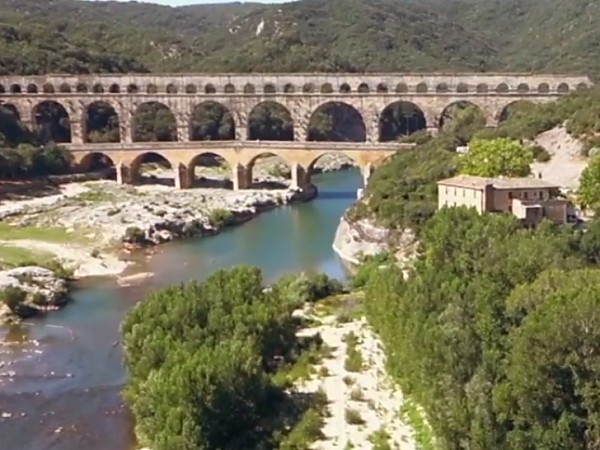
x: 64, y: 394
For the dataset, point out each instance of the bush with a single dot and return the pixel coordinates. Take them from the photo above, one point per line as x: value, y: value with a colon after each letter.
x: 59, y: 269
x: 135, y: 235
x: 540, y: 154
x: 13, y: 297
x: 353, y: 417
x: 219, y: 218
x: 308, y: 288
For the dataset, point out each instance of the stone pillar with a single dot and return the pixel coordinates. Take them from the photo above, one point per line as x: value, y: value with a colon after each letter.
x: 371, y: 119
x: 126, y: 124
x: 77, y: 123
x: 300, y: 177
x: 366, y: 172
x: 242, y: 177
x: 124, y: 174
x: 182, y: 177
x: 183, y: 128
x: 241, y: 126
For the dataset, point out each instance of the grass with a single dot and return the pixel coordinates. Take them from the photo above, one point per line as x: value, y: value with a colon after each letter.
x: 17, y: 256
x: 354, y: 359
x: 304, y: 367
x: 46, y: 234
x: 380, y: 440
x: 414, y: 417
x: 95, y: 196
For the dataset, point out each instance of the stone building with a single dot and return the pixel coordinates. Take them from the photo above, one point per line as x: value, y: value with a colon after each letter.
x: 528, y: 199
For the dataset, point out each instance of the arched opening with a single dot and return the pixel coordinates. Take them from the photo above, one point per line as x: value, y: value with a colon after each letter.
x: 326, y: 88
x: 210, y: 89
x: 249, y: 89
x: 400, y: 119
x: 482, y: 88
x: 32, y: 88
x: 269, y: 88
x: 152, y: 168
x: 581, y: 86
x: 463, y: 119
x: 52, y: 122
x: 422, y: 88
x: 11, y: 126
x: 516, y: 108
x: 102, y: 123
x: 308, y: 88
x: 329, y: 162
x: 363, y: 88
x: 289, y: 88
x: 523, y: 88
x: 2, y: 89
x: 154, y: 121
x: 229, y: 88
x: 270, y: 121
x: 211, y: 121
x: 442, y: 88
x: 114, y: 88
x: 64, y: 88
x: 15, y: 89
x: 48, y: 88
x: 81, y: 88
x: 209, y: 170
x: 345, y: 88
x: 151, y: 89
x: 543, y: 88
x: 462, y: 88
x: 133, y: 89
x: 98, y: 89
x: 171, y: 88
x: 269, y: 171
x: 382, y: 88
x: 98, y: 162
x: 336, y: 122
x: 563, y: 88
x: 401, y: 88
x: 502, y: 88
x: 191, y: 89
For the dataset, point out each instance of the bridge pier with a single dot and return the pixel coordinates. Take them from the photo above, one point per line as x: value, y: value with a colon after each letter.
x: 300, y: 177
x: 124, y: 174
x: 184, y: 176
x: 366, y: 172
x: 242, y: 177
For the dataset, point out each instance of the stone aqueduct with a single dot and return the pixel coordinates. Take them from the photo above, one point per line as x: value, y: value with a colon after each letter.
x: 300, y: 94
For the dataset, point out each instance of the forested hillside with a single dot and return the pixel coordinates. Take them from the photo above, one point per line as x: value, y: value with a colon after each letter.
x: 316, y: 35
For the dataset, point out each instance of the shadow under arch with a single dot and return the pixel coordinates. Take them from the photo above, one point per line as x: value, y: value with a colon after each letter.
x: 153, y: 122
x: 270, y: 121
x: 211, y: 121
x: 332, y: 161
x: 101, y: 123
x: 98, y: 162
x: 210, y: 170
x: 52, y: 122
x: 269, y: 171
x: 152, y: 168
x: 400, y: 118
x: 515, y: 108
x: 453, y: 112
x: 336, y: 122
x: 11, y: 126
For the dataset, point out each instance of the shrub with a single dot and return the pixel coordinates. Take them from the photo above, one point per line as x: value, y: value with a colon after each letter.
x: 353, y: 417
x: 135, y: 235
x: 12, y: 297
x: 219, y: 218
x: 540, y: 154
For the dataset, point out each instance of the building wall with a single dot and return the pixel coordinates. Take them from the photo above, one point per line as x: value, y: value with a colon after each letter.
x: 503, y: 197
x: 460, y: 196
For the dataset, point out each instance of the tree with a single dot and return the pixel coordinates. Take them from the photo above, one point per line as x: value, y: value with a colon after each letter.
x: 588, y: 194
x: 497, y: 157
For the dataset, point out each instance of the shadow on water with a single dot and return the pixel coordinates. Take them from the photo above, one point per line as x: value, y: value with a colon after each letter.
x: 337, y: 195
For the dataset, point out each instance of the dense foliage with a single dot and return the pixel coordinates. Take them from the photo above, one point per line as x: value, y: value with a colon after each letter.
x: 495, y: 332
x: 496, y: 157
x: 588, y: 194
x: 202, y: 360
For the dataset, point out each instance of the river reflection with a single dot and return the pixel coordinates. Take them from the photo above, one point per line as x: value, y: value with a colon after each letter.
x: 60, y: 376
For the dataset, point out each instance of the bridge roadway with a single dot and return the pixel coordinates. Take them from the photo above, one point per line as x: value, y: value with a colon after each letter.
x: 240, y: 156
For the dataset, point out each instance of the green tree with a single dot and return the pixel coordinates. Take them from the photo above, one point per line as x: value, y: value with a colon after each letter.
x: 588, y: 194
x: 496, y: 157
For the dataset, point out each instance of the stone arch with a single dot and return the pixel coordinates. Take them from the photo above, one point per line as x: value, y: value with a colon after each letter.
x: 289, y: 88
x: 320, y: 163
x: 211, y: 121
x: 2, y: 89
x: 114, y: 88
x: 249, y: 89
x: 345, y: 88
x: 153, y: 121
x: 462, y: 88
x: 81, y: 88
x: 269, y: 88
x: 515, y: 107
x: 64, y: 88
x: 442, y: 88
x: 52, y: 122
x: 400, y: 118
x: 502, y: 88
x: 191, y: 89
x: 133, y: 88
x: 363, y: 88
x: 581, y: 86
x: 308, y: 88
x: 270, y: 121
x: 229, y: 88
x: 151, y: 89
x: 15, y: 88
x: 382, y: 88
x: 326, y: 88
x: 482, y: 88
x: 468, y: 113
x: 98, y: 88
x: 158, y: 167
x: 268, y: 171
x: 101, y: 123
x: 97, y: 161
x: 401, y: 88
x: 48, y: 88
x: 171, y: 88
x: 11, y: 126
x: 210, y: 89
x: 210, y: 170
x: 32, y: 88
x: 543, y: 88
x: 336, y: 122
x: 563, y: 88
x: 523, y: 88
x: 422, y: 87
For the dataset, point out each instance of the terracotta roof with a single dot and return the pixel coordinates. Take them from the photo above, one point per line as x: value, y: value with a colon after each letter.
x: 472, y: 182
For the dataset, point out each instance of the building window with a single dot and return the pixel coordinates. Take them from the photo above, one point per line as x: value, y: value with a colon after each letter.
x: 525, y: 195
x: 541, y: 195
x: 510, y: 195
x: 464, y: 192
